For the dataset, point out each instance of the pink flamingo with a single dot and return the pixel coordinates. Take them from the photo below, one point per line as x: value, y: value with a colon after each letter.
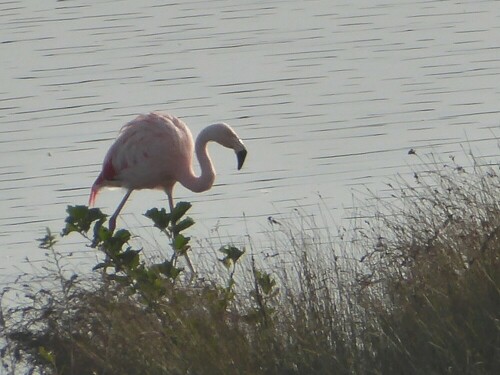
x: 155, y: 151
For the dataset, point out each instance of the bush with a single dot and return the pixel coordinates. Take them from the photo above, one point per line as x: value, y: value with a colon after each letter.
x: 415, y: 290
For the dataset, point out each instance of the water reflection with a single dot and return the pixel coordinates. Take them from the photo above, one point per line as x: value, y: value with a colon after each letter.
x: 327, y: 95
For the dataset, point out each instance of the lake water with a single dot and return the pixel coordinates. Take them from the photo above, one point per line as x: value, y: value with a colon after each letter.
x: 328, y: 96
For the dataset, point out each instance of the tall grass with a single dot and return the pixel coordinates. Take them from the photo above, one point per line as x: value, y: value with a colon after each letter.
x: 434, y: 275
x: 415, y: 289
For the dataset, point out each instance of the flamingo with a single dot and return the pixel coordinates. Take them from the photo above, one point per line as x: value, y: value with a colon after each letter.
x: 154, y: 151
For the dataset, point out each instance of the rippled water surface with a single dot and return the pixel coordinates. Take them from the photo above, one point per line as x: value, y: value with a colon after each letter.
x: 329, y: 96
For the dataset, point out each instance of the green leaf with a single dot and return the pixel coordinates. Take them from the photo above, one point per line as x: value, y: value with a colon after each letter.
x: 122, y: 235
x: 114, y: 244
x: 129, y: 258
x: 232, y: 253
x: 265, y: 281
x: 103, y: 233
x: 179, y: 210
x: 180, y: 241
x: 68, y: 229
x: 80, y: 218
x: 77, y: 212
x: 182, y: 225
x: 160, y: 218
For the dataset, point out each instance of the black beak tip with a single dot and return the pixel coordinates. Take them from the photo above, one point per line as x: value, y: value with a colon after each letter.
x: 241, y: 155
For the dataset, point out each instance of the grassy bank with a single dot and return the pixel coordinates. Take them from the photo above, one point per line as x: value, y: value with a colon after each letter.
x: 414, y: 288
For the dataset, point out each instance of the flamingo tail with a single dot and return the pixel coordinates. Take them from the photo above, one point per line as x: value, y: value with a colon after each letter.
x: 95, y: 190
x: 93, y: 194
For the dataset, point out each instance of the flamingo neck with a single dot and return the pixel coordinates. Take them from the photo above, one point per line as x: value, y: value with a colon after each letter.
x: 206, y: 179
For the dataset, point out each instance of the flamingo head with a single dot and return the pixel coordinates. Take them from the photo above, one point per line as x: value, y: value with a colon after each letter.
x: 227, y: 137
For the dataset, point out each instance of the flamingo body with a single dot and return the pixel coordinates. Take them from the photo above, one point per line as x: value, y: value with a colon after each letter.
x: 154, y: 151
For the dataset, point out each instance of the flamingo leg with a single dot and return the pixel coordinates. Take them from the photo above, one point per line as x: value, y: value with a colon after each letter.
x: 170, y: 200
x: 112, y: 219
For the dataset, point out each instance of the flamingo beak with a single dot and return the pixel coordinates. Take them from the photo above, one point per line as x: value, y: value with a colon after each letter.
x: 241, y: 155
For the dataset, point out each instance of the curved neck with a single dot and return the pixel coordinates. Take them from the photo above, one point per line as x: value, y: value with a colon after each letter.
x: 205, y: 181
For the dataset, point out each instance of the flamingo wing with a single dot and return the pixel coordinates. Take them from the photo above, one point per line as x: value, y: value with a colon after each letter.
x: 149, y: 152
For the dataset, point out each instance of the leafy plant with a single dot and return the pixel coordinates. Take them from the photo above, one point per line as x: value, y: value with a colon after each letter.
x: 149, y: 281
